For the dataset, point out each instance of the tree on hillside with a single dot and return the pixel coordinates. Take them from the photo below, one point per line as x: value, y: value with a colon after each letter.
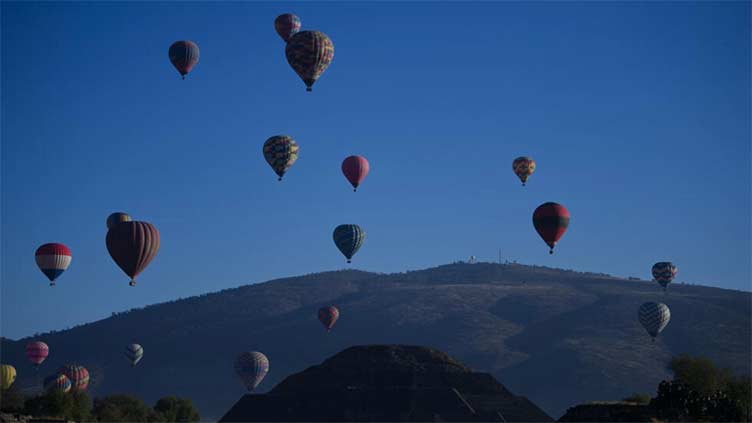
x: 175, y: 409
x: 72, y: 406
x: 121, y: 408
x: 700, y: 373
x: 11, y: 400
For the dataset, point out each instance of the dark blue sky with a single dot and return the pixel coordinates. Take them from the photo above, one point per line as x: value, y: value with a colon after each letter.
x: 638, y: 115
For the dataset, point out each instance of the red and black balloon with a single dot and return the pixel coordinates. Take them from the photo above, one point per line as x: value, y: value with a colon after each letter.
x: 133, y: 245
x: 551, y: 221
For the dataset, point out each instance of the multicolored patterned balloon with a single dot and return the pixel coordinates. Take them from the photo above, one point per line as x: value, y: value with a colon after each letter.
x: 184, y: 56
x: 78, y: 375
x: 133, y: 245
x: 281, y: 152
x: 251, y: 367
x: 117, y: 217
x: 664, y: 272
x: 309, y: 53
x: 287, y: 25
x: 328, y: 316
x: 349, y: 239
x: 654, y: 317
x: 551, y: 221
x: 134, y: 353
x: 53, y: 259
x: 355, y: 169
x: 7, y: 376
x: 37, y: 352
x: 523, y: 167
x: 57, y: 383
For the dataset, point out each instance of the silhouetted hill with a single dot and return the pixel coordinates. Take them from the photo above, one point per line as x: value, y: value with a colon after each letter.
x: 387, y: 383
x: 560, y: 338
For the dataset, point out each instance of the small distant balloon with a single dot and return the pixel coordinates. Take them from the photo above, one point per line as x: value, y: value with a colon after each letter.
x: 37, y: 352
x: 551, y: 221
x: 523, y: 167
x: 281, y: 152
x: 184, y: 56
x: 355, y: 169
x: 287, y: 25
x: 7, y: 376
x: 57, y: 382
x: 133, y: 245
x: 78, y: 375
x: 251, y: 367
x: 654, y: 317
x: 117, y: 217
x: 349, y: 239
x: 309, y: 53
x: 664, y: 273
x: 134, y: 353
x: 328, y: 316
x: 53, y: 259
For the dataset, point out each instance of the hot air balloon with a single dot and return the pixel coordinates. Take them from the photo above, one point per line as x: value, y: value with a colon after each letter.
x: 78, y: 375
x: 252, y: 367
x: 654, y: 317
x: 551, y: 221
x: 349, y: 239
x: 664, y: 272
x: 287, y: 25
x: 328, y: 316
x: 133, y: 353
x: 53, y: 259
x: 133, y: 245
x: 355, y: 169
x: 117, y: 217
x: 36, y: 352
x: 309, y: 53
x: 184, y: 56
x: 280, y: 151
x: 57, y: 382
x: 523, y: 167
x: 7, y: 376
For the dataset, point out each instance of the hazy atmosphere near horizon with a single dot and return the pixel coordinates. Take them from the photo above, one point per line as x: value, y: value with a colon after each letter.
x: 637, y: 115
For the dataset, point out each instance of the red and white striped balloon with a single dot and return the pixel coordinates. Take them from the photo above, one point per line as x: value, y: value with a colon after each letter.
x: 37, y: 352
x: 53, y: 259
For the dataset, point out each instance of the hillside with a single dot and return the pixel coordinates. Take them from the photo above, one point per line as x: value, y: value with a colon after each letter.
x: 557, y: 337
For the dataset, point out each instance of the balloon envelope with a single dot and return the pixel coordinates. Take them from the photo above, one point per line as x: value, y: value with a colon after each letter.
x: 309, y: 53
x: 78, y: 375
x: 37, y: 352
x: 355, y: 169
x: 281, y: 152
x: 133, y: 353
x: 328, y: 316
x: 551, y: 221
x: 523, y: 167
x: 133, y: 245
x: 184, y: 56
x: 7, y: 376
x: 287, y: 25
x: 349, y: 239
x: 53, y: 259
x: 664, y: 273
x: 117, y: 217
x: 251, y: 367
x: 654, y: 317
x: 57, y: 382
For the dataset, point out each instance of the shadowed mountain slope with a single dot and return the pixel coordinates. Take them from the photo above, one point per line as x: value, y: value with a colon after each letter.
x: 556, y: 337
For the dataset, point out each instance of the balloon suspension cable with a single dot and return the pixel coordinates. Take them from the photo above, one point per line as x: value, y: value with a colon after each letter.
x: 132, y: 282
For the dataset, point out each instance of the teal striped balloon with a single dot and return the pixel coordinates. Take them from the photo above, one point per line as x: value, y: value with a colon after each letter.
x: 133, y: 353
x: 349, y: 239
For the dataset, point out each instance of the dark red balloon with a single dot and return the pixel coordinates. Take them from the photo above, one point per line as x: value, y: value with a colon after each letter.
x: 355, y: 169
x: 328, y: 316
x: 551, y: 221
x: 287, y: 25
x: 184, y: 56
x: 133, y: 245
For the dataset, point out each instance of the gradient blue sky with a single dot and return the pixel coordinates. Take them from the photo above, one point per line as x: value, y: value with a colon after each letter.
x: 638, y: 115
